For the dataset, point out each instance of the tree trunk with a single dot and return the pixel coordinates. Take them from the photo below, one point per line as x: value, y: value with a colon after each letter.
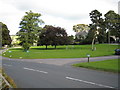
x: 109, y: 37
x: 55, y: 46
x: 46, y: 46
x: 93, y: 44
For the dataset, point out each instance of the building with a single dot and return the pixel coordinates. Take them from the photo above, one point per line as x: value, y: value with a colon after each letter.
x: 81, y: 30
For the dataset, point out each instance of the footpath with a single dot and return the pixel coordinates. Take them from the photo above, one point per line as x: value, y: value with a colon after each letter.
x: 63, y: 61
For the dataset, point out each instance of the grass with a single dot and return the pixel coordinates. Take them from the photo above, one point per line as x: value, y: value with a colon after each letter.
x: 106, y: 65
x: 70, y: 51
x: 1, y: 48
x: 9, y: 79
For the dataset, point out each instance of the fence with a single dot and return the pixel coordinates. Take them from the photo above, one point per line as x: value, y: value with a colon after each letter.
x: 4, y: 83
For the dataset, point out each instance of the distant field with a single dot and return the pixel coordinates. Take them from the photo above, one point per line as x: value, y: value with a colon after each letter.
x: 106, y: 65
x: 70, y: 51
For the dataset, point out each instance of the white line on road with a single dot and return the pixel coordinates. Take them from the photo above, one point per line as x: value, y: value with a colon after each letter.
x: 35, y: 70
x: 7, y: 65
x: 89, y: 82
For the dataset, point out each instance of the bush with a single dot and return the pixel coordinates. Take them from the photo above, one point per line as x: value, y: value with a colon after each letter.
x: 26, y: 46
x: 85, y: 42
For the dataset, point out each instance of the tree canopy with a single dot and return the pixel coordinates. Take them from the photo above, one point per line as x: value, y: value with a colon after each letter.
x: 80, y: 27
x: 102, y: 28
x: 54, y: 36
x: 95, y: 26
x: 112, y: 22
x: 29, y: 28
x: 6, y: 39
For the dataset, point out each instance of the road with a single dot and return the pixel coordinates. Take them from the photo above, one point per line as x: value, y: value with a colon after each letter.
x: 63, y: 61
x: 47, y: 75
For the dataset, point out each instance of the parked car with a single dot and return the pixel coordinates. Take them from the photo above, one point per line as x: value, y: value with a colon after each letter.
x: 117, y: 51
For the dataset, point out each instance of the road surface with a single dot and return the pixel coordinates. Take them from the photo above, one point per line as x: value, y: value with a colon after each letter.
x: 51, y: 75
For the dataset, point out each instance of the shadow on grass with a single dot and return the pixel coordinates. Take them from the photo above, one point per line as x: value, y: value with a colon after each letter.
x: 48, y: 49
x: 57, y: 48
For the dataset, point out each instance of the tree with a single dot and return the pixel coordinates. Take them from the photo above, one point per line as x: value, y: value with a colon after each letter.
x: 54, y: 36
x: 80, y: 27
x: 29, y: 28
x: 112, y: 22
x: 6, y: 39
x: 102, y: 36
x: 70, y: 39
x: 116, y: 30
x: 96, y: 25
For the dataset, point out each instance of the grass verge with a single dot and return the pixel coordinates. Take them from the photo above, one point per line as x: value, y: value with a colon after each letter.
x: 9, y: 79
x: 106, y: 65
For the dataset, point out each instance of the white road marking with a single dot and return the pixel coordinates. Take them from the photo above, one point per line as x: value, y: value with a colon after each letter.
x: 89, y: 82
x: 7, y: 65
x: 35, y: 70
x: 39, y: 62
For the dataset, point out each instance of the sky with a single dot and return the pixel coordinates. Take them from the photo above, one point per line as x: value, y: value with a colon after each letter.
x: 62, y: 13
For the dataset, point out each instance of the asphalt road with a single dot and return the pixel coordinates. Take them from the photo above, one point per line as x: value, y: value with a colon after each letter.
x: 42, y: 75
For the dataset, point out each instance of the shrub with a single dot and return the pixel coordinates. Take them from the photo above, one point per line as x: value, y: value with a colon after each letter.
x: 26, y: 46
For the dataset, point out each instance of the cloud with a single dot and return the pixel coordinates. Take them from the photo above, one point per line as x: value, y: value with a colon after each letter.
x: 64, y: 13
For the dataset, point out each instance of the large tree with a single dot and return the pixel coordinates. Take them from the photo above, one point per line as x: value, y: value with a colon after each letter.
x: 96, y: 26
x: 112, y: 22
x: 6, y: 39
x: 54, y: 36
x: 101, y: 37
x: 29, y: 28
x: 80, y: 27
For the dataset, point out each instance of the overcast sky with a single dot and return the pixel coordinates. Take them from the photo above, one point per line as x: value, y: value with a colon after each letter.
x: 63, y: 13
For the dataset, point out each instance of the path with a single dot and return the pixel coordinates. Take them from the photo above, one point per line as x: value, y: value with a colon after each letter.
x: 65, y: 61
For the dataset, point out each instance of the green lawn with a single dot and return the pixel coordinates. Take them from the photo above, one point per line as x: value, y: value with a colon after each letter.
x: 76, y: 51
x: 106, y: 65
x: 1, y: 48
